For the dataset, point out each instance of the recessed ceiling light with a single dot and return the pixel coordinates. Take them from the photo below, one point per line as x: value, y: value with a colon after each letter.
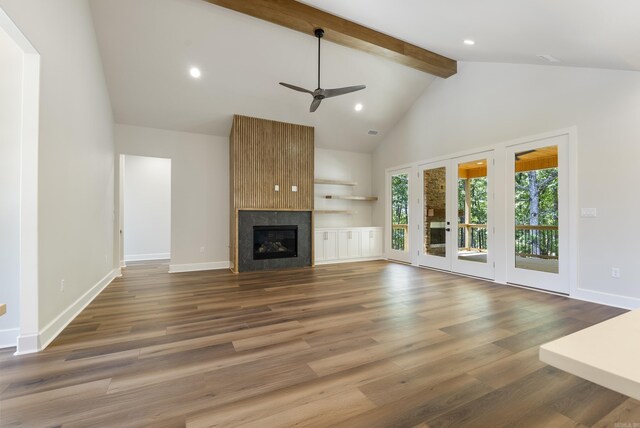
x: 358, y: 107
x: 195, y: 72
x: 469, y: 42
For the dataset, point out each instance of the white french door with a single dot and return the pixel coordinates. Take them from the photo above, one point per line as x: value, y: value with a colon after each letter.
x: 456, y: 222
x: 398, y: 214
x: 435, y: 217
x: 538, y: 214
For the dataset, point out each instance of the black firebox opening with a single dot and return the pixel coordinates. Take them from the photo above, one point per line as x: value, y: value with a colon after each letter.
x: 275, y: 242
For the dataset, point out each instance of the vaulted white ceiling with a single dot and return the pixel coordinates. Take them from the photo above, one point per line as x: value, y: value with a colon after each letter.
x: 583, y: 33
x: 148, y: 46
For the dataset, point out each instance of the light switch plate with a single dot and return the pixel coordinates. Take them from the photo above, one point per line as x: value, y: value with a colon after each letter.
x: 277, y: 188
x: 588, y: 212
x: 294, y: 188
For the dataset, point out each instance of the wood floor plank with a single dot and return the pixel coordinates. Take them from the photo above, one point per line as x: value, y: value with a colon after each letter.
x: 626, y: 414
x: 358, y: 344
x: 588, y: 403
x: 428, y: 402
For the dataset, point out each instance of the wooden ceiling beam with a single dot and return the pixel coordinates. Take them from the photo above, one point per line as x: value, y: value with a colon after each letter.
x: 301, y: 17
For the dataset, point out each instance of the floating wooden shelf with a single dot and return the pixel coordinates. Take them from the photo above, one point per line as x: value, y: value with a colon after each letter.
x: 3, y: 309
x: 335, y: 182
x: 353, y: 198
x: 333, y: 212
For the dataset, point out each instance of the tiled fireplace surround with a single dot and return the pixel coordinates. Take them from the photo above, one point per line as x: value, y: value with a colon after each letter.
x: 249, y: 218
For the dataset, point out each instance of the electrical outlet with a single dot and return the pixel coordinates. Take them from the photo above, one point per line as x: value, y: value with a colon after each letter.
x: 202, y: 249
x: 615, y: 272
x: 277, y: 188
x: 62, y: 285
x: 294, y: 188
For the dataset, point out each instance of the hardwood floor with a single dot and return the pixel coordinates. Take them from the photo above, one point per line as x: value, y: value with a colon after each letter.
x: 370, y: 344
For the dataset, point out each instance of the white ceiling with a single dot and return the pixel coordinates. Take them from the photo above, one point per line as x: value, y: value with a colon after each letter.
x: 148, y: 46
x: 583, y: 33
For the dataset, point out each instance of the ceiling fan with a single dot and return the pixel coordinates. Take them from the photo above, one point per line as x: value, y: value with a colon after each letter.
x: 320, y: 94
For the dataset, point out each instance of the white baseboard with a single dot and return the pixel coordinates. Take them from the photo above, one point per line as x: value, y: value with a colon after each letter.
x: 361, y: 259
x: 9, y: 337
x: 145, y: 257
x: 597, y: 297
x: 608, y: 299
x: 27, y: 344
x: 194, y: 267
x: 32, y: 343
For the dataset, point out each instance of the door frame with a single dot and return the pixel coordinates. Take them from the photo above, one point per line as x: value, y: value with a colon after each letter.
x: 427, y: 260
x: 395, y: 255
x: 28, y: 340
x: 500, y: 202
x: 451, y: 262
x: 558, y: 283
x: 482, y: 270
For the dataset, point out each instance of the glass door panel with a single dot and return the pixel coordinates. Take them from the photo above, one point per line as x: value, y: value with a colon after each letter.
x: 473, y: 255
x: 536, y: 211
x: 398, y: 183
x: 435, y: 221
x: 538, y: 201
x: 435, y: 197
x: 472, y: 211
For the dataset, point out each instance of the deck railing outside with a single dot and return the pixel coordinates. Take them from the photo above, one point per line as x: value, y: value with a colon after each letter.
x: 537, y: 241
x: 472, y: 237
x: 531, y: 240
x: 400, y: 237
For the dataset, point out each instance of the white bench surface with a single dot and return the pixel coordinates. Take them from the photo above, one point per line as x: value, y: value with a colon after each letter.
x: 607, y: 354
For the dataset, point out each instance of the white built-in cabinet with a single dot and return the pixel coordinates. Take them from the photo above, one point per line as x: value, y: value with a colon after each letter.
x: 333, y: 245
x: 326, y: 245
x: 371, y: 243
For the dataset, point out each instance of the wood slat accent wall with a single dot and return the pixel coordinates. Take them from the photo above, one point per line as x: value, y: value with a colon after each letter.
x: 264, y: 153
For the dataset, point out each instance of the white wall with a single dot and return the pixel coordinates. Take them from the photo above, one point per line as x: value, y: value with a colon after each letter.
x: 199, y: 190
x: 348, y: 166
x: 486, y: 104
x: 10, y: 121
x: 147, y: 208
x: 75, y: 188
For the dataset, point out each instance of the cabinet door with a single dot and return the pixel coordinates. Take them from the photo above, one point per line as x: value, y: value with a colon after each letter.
x: 371, y: 242
x: 365, y: 243
x: 354, y: 244
x: 318, y: 246
x: 331, y: 245
x: 348, y: 244
x: 375, y: 241
x: 343, y: 244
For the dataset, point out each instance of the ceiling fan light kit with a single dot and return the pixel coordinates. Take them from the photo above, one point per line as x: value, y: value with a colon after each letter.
x: 320, y: 94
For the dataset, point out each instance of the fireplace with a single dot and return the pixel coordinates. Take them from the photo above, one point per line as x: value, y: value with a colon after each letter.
x: 273, y: 239
x: 275, y: 242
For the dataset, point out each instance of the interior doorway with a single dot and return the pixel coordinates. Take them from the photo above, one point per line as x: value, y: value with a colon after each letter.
x: 145, y: 184
x: 19, y: 128
x: 10, y: 129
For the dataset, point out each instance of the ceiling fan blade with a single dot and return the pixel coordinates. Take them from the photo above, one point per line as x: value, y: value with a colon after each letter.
x: 328, y: 93
x: 296, y: 88
x: 315, y: 104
